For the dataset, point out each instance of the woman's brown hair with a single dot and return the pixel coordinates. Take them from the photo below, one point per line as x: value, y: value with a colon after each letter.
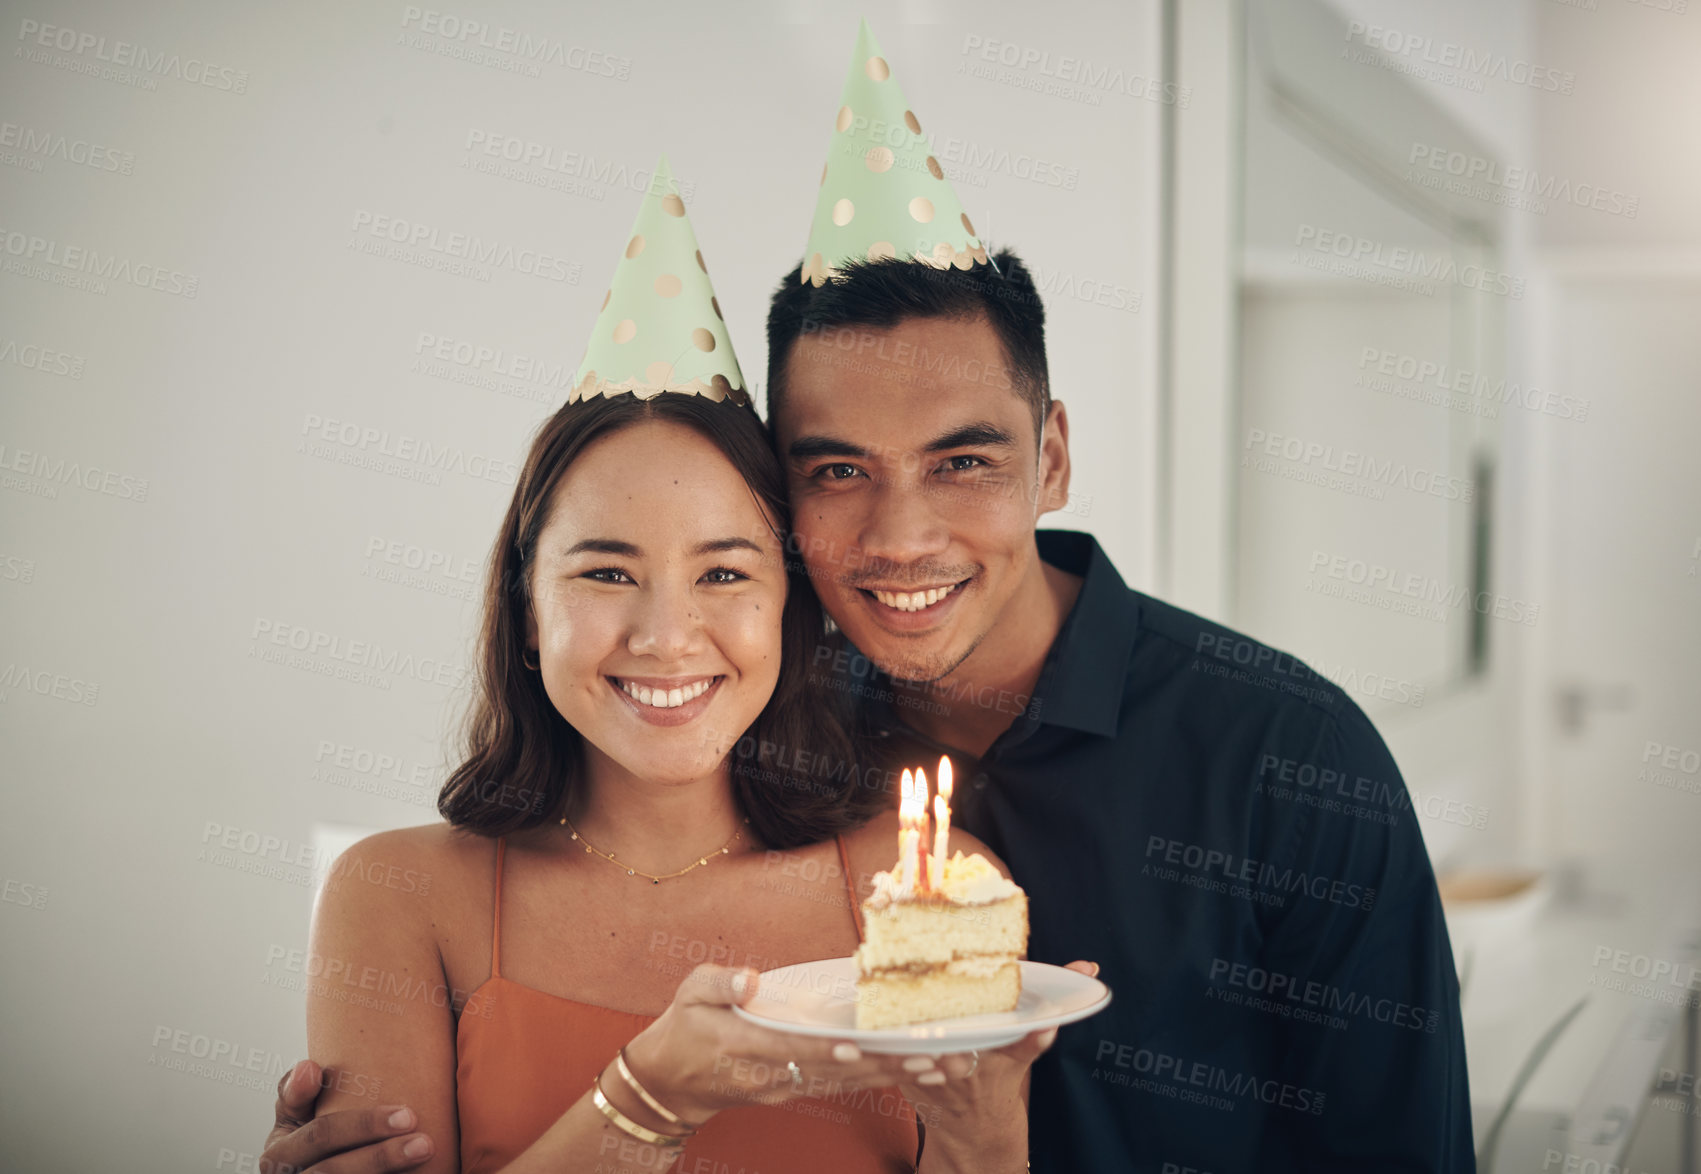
x: 524, y: 762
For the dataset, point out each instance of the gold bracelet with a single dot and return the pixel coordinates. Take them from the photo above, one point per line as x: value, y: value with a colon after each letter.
x: 630, y: 1127
x: 662, y: 1111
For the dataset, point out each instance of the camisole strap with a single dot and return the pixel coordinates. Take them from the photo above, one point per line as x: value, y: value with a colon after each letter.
x: 850, y: 888
x: 496, y: 915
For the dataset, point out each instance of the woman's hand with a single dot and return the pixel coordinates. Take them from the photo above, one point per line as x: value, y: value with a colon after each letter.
x: 699, y: 1058
x: 975, y: 1108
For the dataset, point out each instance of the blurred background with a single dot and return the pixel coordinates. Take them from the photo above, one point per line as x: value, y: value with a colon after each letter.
x: 1378, y: 321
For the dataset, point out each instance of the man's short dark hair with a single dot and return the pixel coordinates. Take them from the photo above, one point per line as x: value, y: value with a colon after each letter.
x: 880, y: 294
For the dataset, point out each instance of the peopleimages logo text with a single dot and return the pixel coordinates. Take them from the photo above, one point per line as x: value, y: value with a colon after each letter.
x: 1452, y: 55
x: 1409, y: 262
x: 1351, y: 463
x: 447, y: 26
x: 126, y: 55
x: 1310, y: 993
x: 464, y: 246
x: 1493, y: 173
x: 377, y: 442
x: 1445, y: 377
x: 47, y: 144
x: 97, y: 264
x: 1262, y: 874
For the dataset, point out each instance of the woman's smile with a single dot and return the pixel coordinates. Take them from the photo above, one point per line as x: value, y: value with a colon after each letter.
x: 667, y: 701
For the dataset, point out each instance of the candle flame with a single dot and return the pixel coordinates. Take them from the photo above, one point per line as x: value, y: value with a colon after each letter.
x: 941, y: 826
x: 912, y: 806
x: 916, y: 862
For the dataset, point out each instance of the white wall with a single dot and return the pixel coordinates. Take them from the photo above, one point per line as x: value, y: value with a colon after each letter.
x: 1621, y: 507
x: 164, y: 599
x: 1607, y: 279
x: 1300, y: 335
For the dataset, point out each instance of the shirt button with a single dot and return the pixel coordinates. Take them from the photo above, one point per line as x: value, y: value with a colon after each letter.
x: 980, y: 782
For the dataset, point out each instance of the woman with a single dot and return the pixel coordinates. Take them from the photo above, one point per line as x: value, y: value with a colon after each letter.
x: 640, y: 622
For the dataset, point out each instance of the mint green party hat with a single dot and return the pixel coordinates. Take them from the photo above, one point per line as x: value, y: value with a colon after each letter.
x: 660, y: 328
x: 883, y: 194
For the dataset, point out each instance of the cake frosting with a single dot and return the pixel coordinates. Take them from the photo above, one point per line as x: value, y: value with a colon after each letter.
x: 969, y: 880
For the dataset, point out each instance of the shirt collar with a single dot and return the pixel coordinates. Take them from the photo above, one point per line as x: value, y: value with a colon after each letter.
x: 1080, y: 686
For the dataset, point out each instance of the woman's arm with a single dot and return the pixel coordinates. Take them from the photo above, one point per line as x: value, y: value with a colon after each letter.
x: 697, y: 1059
x: 379, y: 1015
x: 372, y: 1021
x: 379, y: 1020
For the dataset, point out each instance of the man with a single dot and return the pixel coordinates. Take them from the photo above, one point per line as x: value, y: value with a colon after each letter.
x: 1218, y: 827
x: 1221, y: 829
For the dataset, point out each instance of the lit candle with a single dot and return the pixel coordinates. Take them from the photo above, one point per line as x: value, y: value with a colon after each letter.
x: 936, y: 862
x: 924, y: 869
x: 907, y: 833
x: 942, y: 814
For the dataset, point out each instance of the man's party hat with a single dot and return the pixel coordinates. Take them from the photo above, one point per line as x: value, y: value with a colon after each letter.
x: 660, y: 328
x: 883, y: 194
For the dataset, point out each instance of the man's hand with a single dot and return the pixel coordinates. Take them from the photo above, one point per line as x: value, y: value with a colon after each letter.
x: 975, y: 1109
x: 354, y: 1141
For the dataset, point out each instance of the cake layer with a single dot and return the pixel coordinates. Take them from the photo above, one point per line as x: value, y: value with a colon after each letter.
x: 903, y: 934
x: 970, y: 986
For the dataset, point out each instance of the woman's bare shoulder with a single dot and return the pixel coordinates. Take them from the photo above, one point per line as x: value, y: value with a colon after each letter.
x: 879, y: 834
x: 410, y: 867
x: 423, y: 845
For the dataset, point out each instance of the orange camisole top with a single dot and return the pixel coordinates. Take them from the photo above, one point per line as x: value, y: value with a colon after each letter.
x: 523, y: 1057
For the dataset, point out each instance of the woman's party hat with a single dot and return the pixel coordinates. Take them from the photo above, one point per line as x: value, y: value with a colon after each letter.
x: 660, y: 328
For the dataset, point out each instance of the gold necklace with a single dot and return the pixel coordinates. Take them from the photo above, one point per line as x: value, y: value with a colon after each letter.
x: 656, y: 880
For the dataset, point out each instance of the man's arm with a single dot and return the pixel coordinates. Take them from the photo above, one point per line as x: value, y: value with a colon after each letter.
x: 1368, y: 1040
x: 352, y: 1141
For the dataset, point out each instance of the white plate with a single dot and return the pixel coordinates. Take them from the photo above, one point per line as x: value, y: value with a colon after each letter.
x: 819, y: 999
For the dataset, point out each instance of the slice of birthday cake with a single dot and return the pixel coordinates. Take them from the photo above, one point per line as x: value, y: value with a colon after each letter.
x: 941, y: 938
x: 944, y: 953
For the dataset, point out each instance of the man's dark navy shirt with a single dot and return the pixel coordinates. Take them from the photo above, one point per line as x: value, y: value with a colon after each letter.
x: 1223, y: 831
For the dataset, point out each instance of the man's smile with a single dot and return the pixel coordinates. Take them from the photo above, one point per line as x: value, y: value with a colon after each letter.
x: 913, y: 600
x: 912, y: 609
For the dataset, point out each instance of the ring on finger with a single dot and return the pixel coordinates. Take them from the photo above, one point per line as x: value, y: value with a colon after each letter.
x: 972, y: 1067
